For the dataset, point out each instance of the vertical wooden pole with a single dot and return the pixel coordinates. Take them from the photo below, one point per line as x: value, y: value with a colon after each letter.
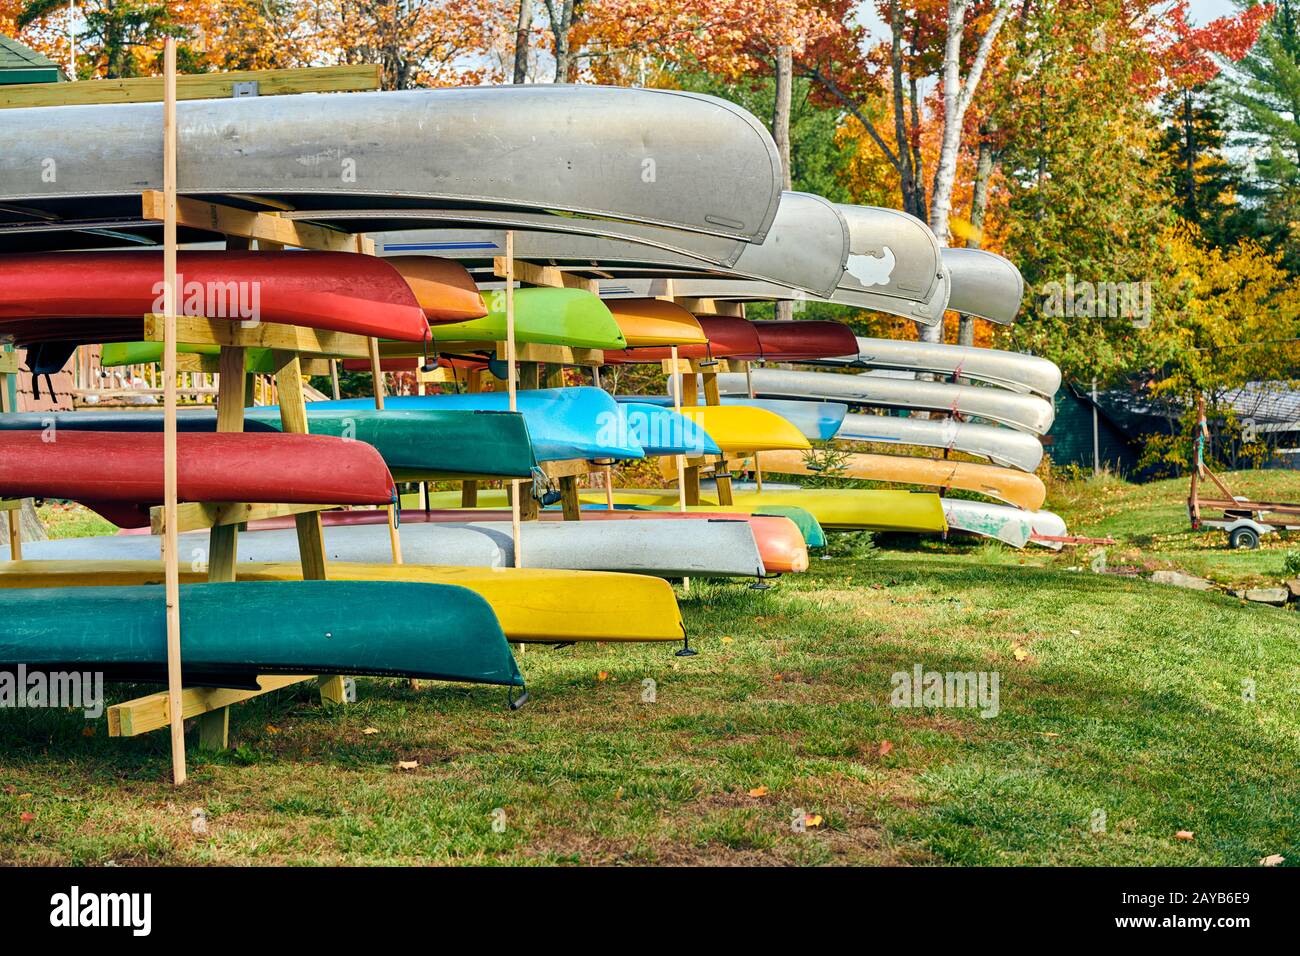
x: 376, y: 370
x: 749, y: 388
x: 512, y: 386
x: 334, y: 379
x: 169, y: 543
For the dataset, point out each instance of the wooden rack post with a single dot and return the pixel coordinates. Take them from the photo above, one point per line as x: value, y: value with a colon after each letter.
x: 171, y: 568
x: 13, y: 508
x: 512, y: 386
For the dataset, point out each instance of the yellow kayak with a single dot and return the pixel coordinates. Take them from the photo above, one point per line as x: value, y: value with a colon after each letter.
x: 746, y: 428
x: 1006, y: 484
x: 648, y: 323
x: 533, y: 605
x: 843, y: 509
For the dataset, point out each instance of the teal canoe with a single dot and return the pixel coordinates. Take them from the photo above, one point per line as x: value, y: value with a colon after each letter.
x: 572, y: 317
x: 230, y: 633
x: 427, y: 443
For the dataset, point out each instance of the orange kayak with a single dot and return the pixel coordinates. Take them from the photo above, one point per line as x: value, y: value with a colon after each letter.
x: 780, y: 542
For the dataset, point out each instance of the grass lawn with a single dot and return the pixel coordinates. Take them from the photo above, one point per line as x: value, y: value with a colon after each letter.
x: 1121, y: 703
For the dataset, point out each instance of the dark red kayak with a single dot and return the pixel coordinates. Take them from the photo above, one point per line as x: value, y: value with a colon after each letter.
x: 102, y: 296
x: 120, y: 474
x: 813, y: 339
x: 729, y: 337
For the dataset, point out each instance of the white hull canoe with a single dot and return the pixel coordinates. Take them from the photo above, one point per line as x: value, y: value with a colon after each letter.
x: 1023, y: 412
x: 1009, y: 525
x: 668, y: 549
x: 1011, y: 370
x: 583, y: 151
x: 1003, y: 446
x: 984, y: 285
x: 805, y: 249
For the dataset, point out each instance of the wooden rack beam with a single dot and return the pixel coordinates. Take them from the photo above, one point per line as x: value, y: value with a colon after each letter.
x: 194, y: 86
x: 146, y: 714
x: 197, y: 330
x: 265, y: 227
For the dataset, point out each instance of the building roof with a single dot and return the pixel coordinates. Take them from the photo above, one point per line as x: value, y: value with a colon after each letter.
x: 16, y: 57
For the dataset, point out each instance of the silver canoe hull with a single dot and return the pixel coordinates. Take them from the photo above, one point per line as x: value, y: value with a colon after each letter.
x: 805, y: 249
x: 984, y: 285
x: 1003, y: 446
x: 662, y: 158
x: 1003, y: 523
x: 894, y: 265
x: 1023, y: 412
x: 1011, y: 370
x: 659, y: 548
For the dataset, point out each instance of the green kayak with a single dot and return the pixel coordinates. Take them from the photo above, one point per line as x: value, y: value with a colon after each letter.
x: 808, y: 525
x: 572, y: 317
x: 115, y: 354
x: 428, y: 443
x: 230, y: 633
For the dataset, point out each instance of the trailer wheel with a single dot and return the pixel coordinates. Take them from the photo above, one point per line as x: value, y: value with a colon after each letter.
x: 1244, y: 538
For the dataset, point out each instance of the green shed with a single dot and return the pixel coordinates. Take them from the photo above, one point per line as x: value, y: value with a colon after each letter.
x: 20, y: 64
x: 1070, y: 440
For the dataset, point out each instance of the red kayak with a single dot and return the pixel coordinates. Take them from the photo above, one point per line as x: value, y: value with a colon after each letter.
x: 780, y: 543
x: 102, y: 296
x: 120, y: 474
x: 795, y: 341
x: 729, y: 337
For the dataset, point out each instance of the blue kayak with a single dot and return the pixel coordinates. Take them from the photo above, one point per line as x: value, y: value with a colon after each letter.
x: 564, y: 423
x: 819, y: 421
x: 662, y: 431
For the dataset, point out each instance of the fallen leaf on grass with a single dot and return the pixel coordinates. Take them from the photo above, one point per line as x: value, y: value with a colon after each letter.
x: 88, y: 730
x: 602, y: 675
x: 1274, y: 859
x: 26, y: 817
x: 272, y: 729
x: 758, y: 792
x: 812, y: 820
x: 1185, y: 835
x: 368, y: 731
x: 885, y: 748
x: 728, y: 640
x: 777, y: 677
x: 407, y: 764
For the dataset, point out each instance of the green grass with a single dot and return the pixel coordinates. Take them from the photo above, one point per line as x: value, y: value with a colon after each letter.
x: 1117, y: 697
x: 1140, y: 714
x: 72, y: 521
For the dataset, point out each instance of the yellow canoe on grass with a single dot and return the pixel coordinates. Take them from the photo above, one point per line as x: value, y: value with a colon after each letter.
x: 533, y: 605
x: 649, y: 323
x: 1014, y: 487
x: 746, y: 428
x: 843, y: 509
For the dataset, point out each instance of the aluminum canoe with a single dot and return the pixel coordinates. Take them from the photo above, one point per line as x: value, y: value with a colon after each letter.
x: 894, y: 265
x: 676, y: 160
x: 1002, y: 446
x: 806, y: 249
x: 659, y: 548
x: 1006, y: 484
x: 531, y: 604
x: 234, y: 632
x: 1011, y: 370
x: 984, y: 285
x: 1022, y: 412
x: 1009, y: 525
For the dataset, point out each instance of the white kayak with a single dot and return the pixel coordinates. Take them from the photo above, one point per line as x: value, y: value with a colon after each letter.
x: 1003, y: 446
x: 668, y: 548
x: 1013, y: 370
x: 1023, y: 412
x: 1004, y: 523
